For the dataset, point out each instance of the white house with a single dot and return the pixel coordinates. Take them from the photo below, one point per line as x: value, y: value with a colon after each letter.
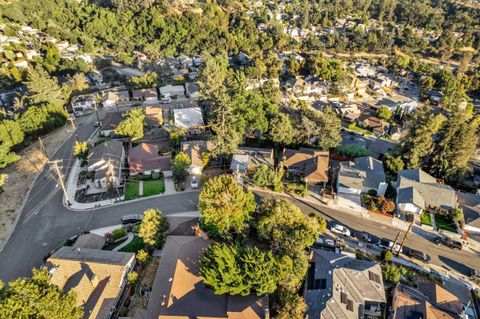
x: 106, y: 160
x: 365, y: 174
x: 84, y: 104
x: 172, y: 90
x: 417, y: 190
x: 189, y: 118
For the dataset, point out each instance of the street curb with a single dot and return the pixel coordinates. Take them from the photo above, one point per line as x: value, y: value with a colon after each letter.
x: 20, y: 210
x: 125, y: 202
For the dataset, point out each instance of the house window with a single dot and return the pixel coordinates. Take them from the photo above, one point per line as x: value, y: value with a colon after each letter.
x: 350, y: 305
x: 320, y: 284
x: 374, y: 277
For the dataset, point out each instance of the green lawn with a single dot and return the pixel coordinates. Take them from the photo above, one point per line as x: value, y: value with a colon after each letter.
x: 445, y: 224
x: 425, y: 219
x: 153, y: 187
x: 111, y: 246
x: 360, y: 130
x: 135, y: 245
x: 132, y: 191
x: 150, y: 187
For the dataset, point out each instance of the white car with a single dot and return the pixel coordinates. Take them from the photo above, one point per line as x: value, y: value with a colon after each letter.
x: 341, y: 230
x: 194, y: 183
x: 388, y: 245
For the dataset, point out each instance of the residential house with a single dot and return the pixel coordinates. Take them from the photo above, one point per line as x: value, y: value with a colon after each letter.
x: 95, y: 76
x: 179, y: 291
x: 341, y: 286
x: 106, y: 160
x: 408, y: 302
x: 397, y: 132
x: 172, y: 91
x: 417, y: 191
x: 147, y: 95
x: 98, y: 277
x: 154, y: 116
x: 247, y: 159
x: 359, y: 86
x: 311, y: 164
x: 350, y: 112
x: 110, y: 122
x: 195, y: 150
x: 112, y: 98
x: 378, y: 126
x: 144, y: 159
x: 190, y: 119
x: 365, y: 174
x: 192, y: 89
x: 84, y: 104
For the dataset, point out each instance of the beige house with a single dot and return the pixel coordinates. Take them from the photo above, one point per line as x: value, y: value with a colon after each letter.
x: 98, y: 277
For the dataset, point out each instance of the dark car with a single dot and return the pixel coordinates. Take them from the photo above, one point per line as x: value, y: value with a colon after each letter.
x: 132, y: 219
x: 363, y: 236
x: 449, y: 242
x: 416, y: 254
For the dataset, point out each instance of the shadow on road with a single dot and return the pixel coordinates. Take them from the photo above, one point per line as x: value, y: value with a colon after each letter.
x: 461, y: 268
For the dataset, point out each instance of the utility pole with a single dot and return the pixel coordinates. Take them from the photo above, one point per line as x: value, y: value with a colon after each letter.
x: 60, y: 179
x: 42, y: 146
x: 74, y: 128
x: 395, y: 241
x: 405, y: 236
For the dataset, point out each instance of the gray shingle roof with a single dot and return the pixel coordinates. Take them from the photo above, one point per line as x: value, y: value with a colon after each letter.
x: 419, y: 188
x: 365, y: 172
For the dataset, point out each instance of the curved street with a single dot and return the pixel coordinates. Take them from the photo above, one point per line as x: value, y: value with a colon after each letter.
x: 44, y: 223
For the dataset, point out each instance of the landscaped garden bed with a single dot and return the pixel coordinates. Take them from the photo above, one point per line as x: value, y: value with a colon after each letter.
x: 445, y: 223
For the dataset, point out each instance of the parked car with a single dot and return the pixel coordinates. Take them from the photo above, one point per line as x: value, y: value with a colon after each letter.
x: 131, y: 219
x: 449, y: 242
x: 97, y: 123
x: 416, y: 254
x: 363, y: 236
x: 194, y: 183
x: 388, y: 245
x: 341, y: 230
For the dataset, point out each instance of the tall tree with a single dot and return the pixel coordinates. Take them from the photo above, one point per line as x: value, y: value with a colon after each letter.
x: 224, y: 207
x: 132, y: 124
x: 153, y: 228
x: 456, y: 146
x: 37, y: 297
x: 284, y: 227
x: 417, y: 146
x: 7, y: 156
x: 44, y: 88
x: 180, y: 165
x: 11, y: 133
x: 280, y: 129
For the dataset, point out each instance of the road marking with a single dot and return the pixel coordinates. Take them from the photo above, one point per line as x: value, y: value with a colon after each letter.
x: 35, y: 210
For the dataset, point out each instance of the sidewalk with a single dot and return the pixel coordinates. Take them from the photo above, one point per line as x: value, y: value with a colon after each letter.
x: 71, y: 187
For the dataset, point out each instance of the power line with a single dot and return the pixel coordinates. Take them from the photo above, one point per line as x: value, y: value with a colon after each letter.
x: 60, y: 179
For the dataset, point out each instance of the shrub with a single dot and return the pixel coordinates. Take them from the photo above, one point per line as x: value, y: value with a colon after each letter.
x: 132, y: 278
x: 299, y: 189
x: 372, y: 192
x: 119, y: 233
x: 387, y: 256
x: 156, y: 175
x: 142, y: 257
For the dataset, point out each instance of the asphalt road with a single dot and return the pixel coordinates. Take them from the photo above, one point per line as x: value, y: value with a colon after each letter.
x: 45, y: 223
x: 442, y: 256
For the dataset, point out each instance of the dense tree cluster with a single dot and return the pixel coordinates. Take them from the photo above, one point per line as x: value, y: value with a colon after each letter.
x: 37, y: 297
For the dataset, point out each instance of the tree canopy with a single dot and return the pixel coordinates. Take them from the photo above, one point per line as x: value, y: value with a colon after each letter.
x: 37, y: 297
x: 132, y: 124
x: 153, y: 228
x: 225, y: 207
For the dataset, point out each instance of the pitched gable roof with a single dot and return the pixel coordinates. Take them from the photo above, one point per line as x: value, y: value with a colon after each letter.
x: 313, y: 163
x: 144, y: 157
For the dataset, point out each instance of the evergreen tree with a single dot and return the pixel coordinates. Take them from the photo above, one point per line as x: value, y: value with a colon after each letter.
x: 153, y: 228
x: 418, y: 144
x: 37, y: 297
x: 132, y: 124
x: 11, y: 133
x: 280, y: 129
x: 224, y: 207
x: 456, y: 146
x: 43, y: 88
x: 221, y: 270
x: 284, y: 227
x: 7, y: 156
